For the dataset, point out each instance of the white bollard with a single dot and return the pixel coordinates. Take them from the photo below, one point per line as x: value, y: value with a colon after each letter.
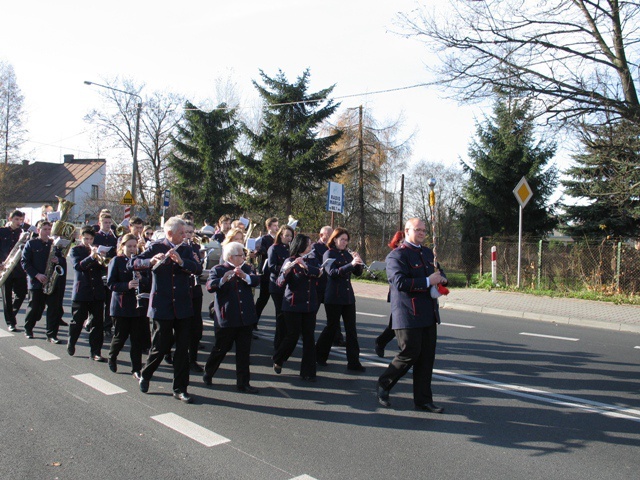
x: 494, y: 265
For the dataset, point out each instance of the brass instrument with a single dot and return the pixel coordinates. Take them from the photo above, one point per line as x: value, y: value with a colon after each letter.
x: 103, y: 261
x: 14, y: 257
x: 63, y: 234
x: 121, y: 230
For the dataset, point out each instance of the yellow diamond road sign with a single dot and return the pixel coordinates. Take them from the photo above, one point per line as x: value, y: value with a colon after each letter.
x: 523, y: 192
x: 127, y: 199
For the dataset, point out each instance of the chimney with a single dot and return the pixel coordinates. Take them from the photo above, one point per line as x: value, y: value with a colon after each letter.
x: 68, y: 158
x: 25, y: 162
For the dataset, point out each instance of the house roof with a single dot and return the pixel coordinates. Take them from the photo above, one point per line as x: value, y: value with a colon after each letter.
x: 48, y: 180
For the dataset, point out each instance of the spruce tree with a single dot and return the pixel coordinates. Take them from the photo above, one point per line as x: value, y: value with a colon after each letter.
x: 504, y: 151
x: 203, y: 161
x: 605, y: 181
x: 287, y: 155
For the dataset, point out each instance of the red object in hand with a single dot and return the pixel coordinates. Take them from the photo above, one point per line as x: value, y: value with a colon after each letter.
x: 442, y: 289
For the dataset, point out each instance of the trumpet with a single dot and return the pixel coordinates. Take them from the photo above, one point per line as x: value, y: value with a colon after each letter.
x: 166, y: 257
x: 365, y: 266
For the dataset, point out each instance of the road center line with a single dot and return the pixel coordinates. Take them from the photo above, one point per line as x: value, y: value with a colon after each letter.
x: 99, y: 384
x: 456, y: 325
x: 189, y: 429
x: 550, y: 336
x: 638, y: 347
x: 303, y: 477
x: 40, y: 353
x: 371, y: 314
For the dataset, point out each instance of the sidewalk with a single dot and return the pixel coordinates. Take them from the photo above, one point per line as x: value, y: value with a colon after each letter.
x: 588, y: 313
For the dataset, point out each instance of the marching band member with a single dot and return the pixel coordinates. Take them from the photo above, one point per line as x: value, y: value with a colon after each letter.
x: 231, y: 284
x: 299, y: 274
x: 106, y: 237
x: 147, y: 236
x: 172, y: 265
x: 87, y: 300
x: 233, y: 235
x: 262, y: 246
x: 339, y: 299
x: 277, y: 254
x: 196, y: 298
x: 128, y: 313
x: 14, y: 290
x: 35, y: 257
x: 224, y: 225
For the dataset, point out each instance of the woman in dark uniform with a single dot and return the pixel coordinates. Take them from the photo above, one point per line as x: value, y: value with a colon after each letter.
x: 276, y: 255
x: 339, y: 300
x: 129, y: 315
x: 299, y: 276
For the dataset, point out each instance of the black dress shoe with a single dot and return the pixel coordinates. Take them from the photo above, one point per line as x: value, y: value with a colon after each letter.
x: 383, y: 396
x: 28, y: 333
x: 98, y: 358
x: 184, y: 397
x: 379, y: 351
x: 144, y: 384
x: 12, y: 328
x: 194, y: 367
x: 248, y: 389
x: 71, y: 350
x: 277, y: 368
x: 53, y: 340
x: 207, y: 379
x: 168, y: 358
x: 356, y: 368
x: 113, y: 365
x: 430, y: 407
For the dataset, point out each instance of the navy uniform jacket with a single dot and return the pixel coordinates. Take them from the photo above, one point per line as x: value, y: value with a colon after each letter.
x: 196, y: 289
x: 263, y: 245
x: 8, y: 238
x: 107, y: 239
x: 319, y: 249
x: 87, y: 285
x: 300, y: 294
x: 218, y: 237
x: 124, y: 301
x: 278, y: 253
x: 407, y: 270
x: 339, y: 290
x: 171, y: 283
x: 34, y: 261
x: 233, y: 299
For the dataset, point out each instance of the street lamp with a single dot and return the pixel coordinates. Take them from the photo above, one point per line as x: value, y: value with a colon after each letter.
x: 137, y: 132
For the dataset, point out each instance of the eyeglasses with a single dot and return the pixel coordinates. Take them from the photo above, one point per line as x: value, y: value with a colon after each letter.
x: 419, y: 230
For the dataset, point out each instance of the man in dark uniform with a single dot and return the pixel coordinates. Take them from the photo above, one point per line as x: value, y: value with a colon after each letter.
x: 224, y: 225
x: 411, y: 273
x: 196, y: 297
x: 35, y: 257
x: 170, y: 305
x: 87, y: 300
x: 106, y: 237
x: 14, y: 289
x: 262, y: 247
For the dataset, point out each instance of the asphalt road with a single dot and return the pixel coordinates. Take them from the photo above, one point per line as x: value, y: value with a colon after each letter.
x: 523, y: 399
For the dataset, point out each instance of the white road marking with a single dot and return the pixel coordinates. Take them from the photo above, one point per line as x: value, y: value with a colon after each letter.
x: 456, y: 325
x: 371, y: 314
x: 40, y: 353
x: 550, y: 336
x: 99, y: 384
x: 303, y: 477
x: 638, y: 347
x: 4, y: 333
x: 189, y: 429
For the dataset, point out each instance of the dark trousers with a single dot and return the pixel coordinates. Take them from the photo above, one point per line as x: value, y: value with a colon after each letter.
x: 197, y: 328
x: 387, y: 335
x: 14, y: 291
x: 325, y: 340
x: 107, y: 322
x: 299, y: 323
x: 225, y: 338
x: 134, y: 328
x: 80, y: 311
x: 163, y: 334
x: 281, y: 328
x: 37, y: 302
x: 263, y: 295
x: 417, y: 350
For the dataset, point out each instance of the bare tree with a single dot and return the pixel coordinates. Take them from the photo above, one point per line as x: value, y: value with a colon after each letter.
x: 11, y: 115
x: 573, y: 56
x: 159, y: 117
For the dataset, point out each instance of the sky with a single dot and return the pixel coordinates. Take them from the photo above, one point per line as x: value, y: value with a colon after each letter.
x: 184, y: 47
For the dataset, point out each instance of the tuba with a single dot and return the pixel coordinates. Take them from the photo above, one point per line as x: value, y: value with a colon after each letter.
x: 63, y: 234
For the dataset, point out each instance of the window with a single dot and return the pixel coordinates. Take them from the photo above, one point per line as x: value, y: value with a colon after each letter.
x: 94, y: 192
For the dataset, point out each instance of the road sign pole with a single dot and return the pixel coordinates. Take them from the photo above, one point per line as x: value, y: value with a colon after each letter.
x: 520, y: 244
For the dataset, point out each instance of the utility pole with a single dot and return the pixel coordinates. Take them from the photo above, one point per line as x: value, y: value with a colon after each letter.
x: 363, y: 233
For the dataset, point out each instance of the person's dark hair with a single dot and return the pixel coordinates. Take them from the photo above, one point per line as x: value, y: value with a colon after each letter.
x: 278, y: 239
x: 336, y: 233
x: 188, y: 215
x: 270, y: 221
x: 136, y: 221
x: 299, y: 244
x: 88, y: 229
x: 224, y: 218
x: 16, y: 213
x: 42, y: 223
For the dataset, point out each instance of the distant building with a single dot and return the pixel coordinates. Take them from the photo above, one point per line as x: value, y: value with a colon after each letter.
x: 80, y: 180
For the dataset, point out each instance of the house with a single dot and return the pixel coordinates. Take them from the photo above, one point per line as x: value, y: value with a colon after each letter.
x: 80, y: 180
